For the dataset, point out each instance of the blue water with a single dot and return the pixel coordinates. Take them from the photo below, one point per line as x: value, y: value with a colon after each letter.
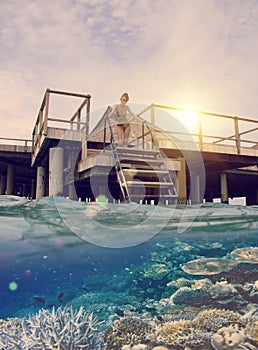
x: 106, y: 257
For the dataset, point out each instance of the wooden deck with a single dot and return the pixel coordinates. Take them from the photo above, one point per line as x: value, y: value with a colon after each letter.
x: 236, y: 154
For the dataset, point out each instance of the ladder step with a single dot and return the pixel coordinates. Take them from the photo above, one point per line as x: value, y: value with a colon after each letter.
x: 149, y: 172
x: 144, y: 161
x: 149, y: 184
x: 137, y: 151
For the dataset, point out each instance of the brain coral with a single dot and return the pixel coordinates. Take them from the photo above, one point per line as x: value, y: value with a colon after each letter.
x: 127, y: 330
x: 208, y: 266
x: 246, y: 255
x: 214, y: 319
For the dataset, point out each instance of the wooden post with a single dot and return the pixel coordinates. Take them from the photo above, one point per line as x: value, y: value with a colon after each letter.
x: 10, y: 180
x: 152, y: 111
x: 195, y: 189
x: 87, y: 118
x: 56, y: 171
x: 41, y: 182
x: 85, y: 146
x: 181, y: 178
x: 2, y: 184
x: 23, y: 190
x: 78, y: 120
x: 47, y: 97
x: 237, y: 135
x: 200, y: 131
x: 223, y: 188
x: 32, y: 190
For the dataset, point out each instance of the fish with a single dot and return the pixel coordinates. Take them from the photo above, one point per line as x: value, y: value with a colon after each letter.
x: 60, y: 296
x: 39, y: 300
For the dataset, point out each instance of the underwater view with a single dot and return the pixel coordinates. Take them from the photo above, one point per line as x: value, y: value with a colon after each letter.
x: 76, y: 275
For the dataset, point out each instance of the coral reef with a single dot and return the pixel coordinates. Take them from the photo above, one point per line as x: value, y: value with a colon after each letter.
x: 246, y: 255
x: 63, y: 328
x: 252, y: 329
x: 156, y: 271
x: 208, y: 266
x: 227, y: 338
x: 204, y: 292
x: 182, y: 333
x: 212, y: 320
x: 189, y: 296
x: 127, y: 331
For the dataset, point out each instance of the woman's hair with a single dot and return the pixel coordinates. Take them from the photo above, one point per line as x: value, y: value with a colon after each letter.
x: 125, y: 94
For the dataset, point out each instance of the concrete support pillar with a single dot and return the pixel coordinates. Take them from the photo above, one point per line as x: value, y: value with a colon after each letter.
x: 181, y: 179
x: 195, y: 195
x: 72, y: 193
x: 223, y: 188
x: 56, y: 168
x: 32, y: 190
x: 41, y: 182
x: 2, y: 184
x: 252, y: 197
x: 10, y: 180
x: 23, y: 190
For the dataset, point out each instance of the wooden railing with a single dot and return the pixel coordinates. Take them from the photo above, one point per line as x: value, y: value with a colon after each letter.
x: 43, y: 119
x: 236, y: 137
x: 11, y: 141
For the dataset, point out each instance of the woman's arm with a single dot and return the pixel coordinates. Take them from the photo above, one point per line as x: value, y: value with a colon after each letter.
x: 130, y: 112
x: 114, y: 110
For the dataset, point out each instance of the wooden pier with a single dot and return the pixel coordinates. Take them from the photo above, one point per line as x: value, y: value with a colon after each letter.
x: 65, y: 158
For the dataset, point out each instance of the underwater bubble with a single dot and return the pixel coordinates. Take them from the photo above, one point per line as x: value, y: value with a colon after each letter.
x: 13, y: 286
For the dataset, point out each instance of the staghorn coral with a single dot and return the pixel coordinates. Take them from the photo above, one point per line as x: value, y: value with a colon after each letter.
x: 246, y: 255
x: 60, y: 329
x: 182, y: 333
x: 127, y: 331
x: 208, y: 266
x: 213, y: 319
x: 227, y: 338
x: 252, y: 329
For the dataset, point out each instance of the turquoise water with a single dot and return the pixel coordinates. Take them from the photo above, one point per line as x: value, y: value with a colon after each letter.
x: 128, y: 260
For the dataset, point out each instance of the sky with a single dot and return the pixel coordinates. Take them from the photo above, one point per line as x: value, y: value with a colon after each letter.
x: 199, y: 54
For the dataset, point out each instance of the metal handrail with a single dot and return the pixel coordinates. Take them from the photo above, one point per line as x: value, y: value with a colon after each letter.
x: 150, y: 132
x: 105, y: 116
x: 118, y: 167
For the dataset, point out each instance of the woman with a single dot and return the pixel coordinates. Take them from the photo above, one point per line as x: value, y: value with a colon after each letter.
x: 120, y: 112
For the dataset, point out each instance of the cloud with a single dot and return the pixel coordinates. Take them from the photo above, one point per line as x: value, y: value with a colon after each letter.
x: 201, y: 54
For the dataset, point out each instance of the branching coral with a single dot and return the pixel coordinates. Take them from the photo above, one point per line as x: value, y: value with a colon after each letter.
x: 252, y: 329
x: 214, y: 319
x: 62, y: 329
x: 182, y: 333
x: 127, y: 330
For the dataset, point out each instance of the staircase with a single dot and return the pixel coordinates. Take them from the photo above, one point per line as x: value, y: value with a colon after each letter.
x: 142, y: 172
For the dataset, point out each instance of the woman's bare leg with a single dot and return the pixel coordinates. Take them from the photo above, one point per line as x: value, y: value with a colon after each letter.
x: 126, y: 135
x: 119, y: 136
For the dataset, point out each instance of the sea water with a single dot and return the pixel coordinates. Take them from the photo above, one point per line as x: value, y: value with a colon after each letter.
x: 119, y: 259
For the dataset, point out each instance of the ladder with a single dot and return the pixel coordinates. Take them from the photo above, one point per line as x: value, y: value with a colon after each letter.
x: 142, y: 172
